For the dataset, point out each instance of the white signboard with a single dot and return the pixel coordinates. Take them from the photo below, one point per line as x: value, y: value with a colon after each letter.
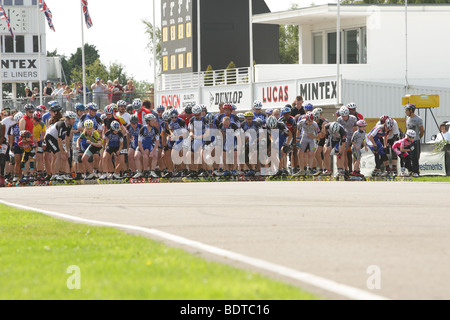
x: 21, y: 68
x: 275, y: 94
x: 321, y: 91
x: 432, y: 164
x: 177, y: 99
x: 240, y: 95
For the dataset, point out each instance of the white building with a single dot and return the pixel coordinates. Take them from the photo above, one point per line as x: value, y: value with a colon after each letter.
x: 21, y: 61
x: 375, y: 72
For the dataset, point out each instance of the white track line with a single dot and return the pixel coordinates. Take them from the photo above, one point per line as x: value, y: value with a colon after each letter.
x: 322, y: 283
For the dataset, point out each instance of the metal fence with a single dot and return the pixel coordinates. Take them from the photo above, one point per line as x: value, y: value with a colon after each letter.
x: 68, y: 102
x: 203, y: 79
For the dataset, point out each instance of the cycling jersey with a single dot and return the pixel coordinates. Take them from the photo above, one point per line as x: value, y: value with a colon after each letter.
x: 134, y: 135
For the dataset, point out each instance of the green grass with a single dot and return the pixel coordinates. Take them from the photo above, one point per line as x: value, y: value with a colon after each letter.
x: 432, y: 179
x: 36, y: 252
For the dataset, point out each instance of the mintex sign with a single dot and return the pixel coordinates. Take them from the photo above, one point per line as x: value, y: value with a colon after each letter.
x: 20, y: 69
x: 319, y: 92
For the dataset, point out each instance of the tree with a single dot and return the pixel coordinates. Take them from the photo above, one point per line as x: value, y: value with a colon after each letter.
x: 149, y: 32
x: 117, y: 71
x: 289, y: 37
x: 94, y: 70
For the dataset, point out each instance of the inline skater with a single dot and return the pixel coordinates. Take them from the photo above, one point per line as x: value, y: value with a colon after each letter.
x: 279, y: 135
x: 358, y: 142
x: 149, y: 137
x: 336, y: 138
x: 403, y: 149
x: 39, y: 129
x: 378, y: 138
x: 28, y: 155
x: 88, y: 145
x: 307, y: 129
x: 14, y: 150
x: 56, y: 138
x: 257, y: 107
x: 348, y: 121
x: 134, y: 155
x: 113, y: 144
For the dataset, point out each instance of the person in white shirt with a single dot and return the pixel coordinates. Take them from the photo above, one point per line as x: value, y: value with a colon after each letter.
x: 443, y: 133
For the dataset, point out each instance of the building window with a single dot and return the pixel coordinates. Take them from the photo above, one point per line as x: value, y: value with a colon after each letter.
x: 36, y: 44
x: 353, y: 46
x: 13, y: 46
x: 331, y: 45
x: 20, y: 44
x: 18, y: 2
x: 7, y: 2
x: 317, y: 48
x: 9, y: 44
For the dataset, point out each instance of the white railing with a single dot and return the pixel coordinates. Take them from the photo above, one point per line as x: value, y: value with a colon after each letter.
x: 203, y: 79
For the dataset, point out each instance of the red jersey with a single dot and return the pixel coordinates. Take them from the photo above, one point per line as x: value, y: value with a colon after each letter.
x: 28, y: 123
x: 186, y: 117
x: 141, y: 114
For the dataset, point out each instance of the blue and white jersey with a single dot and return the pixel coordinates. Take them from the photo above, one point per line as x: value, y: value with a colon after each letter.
x: 134, y: 135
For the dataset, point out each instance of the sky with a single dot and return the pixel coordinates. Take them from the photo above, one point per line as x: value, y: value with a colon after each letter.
x: 118, y: 31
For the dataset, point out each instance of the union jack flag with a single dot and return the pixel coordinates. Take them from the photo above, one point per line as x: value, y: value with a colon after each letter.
x: 87, y: 17
x: 48, y: 14
x: 3, y: 16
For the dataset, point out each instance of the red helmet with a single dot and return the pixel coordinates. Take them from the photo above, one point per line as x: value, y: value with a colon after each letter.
x: 309, y: 116
x: 37, y: 116
x: 227, y: 106
x: 383, y: 119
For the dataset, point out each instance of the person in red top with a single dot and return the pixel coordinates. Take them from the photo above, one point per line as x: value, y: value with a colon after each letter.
x: 26, y: 123
x: 139, y: 110
x: 187, y: 114
x: 352, y: 108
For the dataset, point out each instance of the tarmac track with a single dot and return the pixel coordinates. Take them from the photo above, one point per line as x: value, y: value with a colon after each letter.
x: 390, y: 239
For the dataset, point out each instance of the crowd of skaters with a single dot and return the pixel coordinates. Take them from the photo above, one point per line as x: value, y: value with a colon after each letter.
x: 135, y: 140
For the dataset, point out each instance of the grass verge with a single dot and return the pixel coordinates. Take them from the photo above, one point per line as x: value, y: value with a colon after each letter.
x: 43, y: 258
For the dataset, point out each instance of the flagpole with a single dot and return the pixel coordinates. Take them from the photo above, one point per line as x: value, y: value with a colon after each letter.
x: 154, y: 54
x: 39, y: 53
x: 82, y: 56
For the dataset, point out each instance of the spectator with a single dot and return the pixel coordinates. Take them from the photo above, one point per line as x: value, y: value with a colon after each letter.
x: 48, y: 90
x: 67, y: 95
x: 129, y: 91
x: 98, y: 91
x: 35, y: 95
x: 297, y: 108
x: 443, y: 133
x: 28, y: 93
x: 117, y: 91
x: 109, y: 89
x: 57, y: 93
x: 414, y: 122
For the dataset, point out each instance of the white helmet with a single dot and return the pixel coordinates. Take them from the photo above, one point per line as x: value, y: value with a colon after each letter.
x: 257, y: 104
x: 334, y: 127
x: 149, y: 117
x: 411, y: 133
x: 389, y: 123
x: 18, y: 116
x: 343, y: 111
x: 351, y: 105
x: 137, y: 104
x: 197, y: 109
x: 115, y: 125
x: 272, y: 122
x: 70, y: 115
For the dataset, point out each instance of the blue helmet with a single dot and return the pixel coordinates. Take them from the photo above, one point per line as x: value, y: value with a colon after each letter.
x: 308, y: 107
x: 285, y: 110
x: 160, y: 108
x: 79, y: 106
